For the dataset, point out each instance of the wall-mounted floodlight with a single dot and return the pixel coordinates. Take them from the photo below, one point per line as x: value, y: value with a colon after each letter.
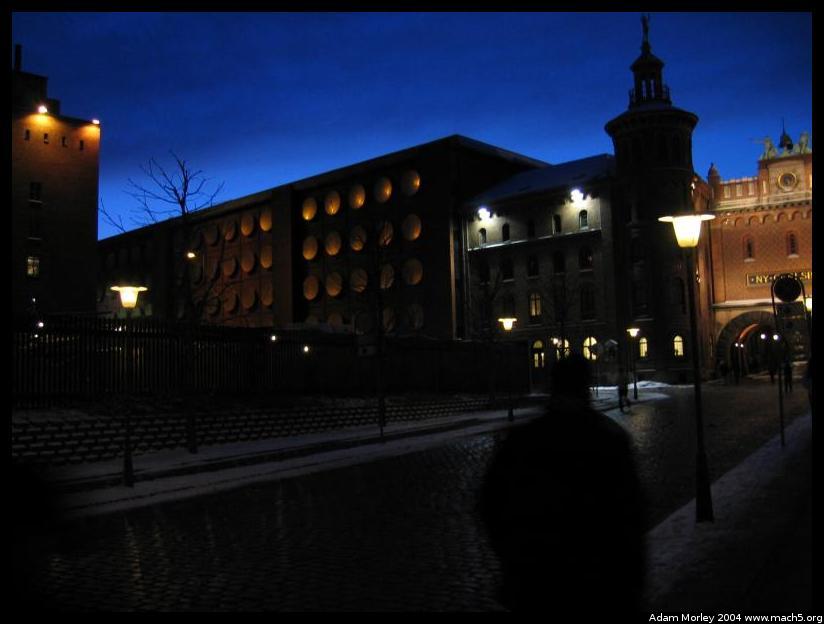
x: 576, y: 195
x: 483, y: 213
x: 42, y: 109
x: 96, y: 122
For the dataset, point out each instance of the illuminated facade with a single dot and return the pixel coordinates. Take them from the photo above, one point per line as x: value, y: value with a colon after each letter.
x: 378, y: 241
x: 54, y: 201
x: 763, y: 228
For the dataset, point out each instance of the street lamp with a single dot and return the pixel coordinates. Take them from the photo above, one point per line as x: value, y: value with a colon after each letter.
x: 633, y: 334
x: 508, y: 323
x: 128, y: 300
x: 687, y: 232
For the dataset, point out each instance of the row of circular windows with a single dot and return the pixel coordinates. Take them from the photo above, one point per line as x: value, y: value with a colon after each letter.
x: 410, y: 183
x: 410, y: 318
x: 233, y: 302
x: 229, y: 229
x: 411, y: 273
x: 231, y: 267
x: 333, y: 242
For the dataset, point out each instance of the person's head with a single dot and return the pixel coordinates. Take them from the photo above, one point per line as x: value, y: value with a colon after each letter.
x: 571, y: 377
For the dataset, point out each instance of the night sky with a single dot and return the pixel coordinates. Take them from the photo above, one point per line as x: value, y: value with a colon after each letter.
x: 258, y: 100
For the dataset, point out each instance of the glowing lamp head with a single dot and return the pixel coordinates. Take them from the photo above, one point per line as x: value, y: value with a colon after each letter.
x: 129, y: 294
x: 576, y: 195
x: 507, y: 323
x: 763, y: 336
x: 687, y: 227
x: 273, y: 338
x: 191, y: 255
x: 776, y: 337
x: 483, y: 213
x: 633, y: 332
x: 96, y: 122
x: 808, y: 302
x: 42, y: 109
x: 306, y: 348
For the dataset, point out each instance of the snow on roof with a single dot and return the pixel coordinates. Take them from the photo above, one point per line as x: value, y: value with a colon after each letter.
x: 568, y: 174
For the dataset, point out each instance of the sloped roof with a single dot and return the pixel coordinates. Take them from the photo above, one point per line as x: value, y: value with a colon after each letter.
x: 568, y: 174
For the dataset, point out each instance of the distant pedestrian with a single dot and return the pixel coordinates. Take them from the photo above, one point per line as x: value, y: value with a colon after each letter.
x: 788, y: 377
x: 562, y: 506
x: 772, y: 368
x: 623, y: 390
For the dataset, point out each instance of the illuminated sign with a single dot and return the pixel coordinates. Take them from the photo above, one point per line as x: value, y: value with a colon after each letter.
x: 764, y: 279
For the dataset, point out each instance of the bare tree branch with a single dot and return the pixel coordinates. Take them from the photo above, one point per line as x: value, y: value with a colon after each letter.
x: 110, y: 219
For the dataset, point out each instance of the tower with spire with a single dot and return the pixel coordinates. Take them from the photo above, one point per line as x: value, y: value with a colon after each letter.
x: 652, y: 140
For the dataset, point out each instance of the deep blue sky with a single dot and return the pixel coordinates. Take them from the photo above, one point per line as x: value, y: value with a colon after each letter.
x: 257, y: 100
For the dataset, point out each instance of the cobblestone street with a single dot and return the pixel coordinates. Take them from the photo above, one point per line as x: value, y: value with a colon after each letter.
x: 396, y: 534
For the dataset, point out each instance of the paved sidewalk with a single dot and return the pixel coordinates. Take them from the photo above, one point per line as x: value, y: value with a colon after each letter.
x: 757, y: 554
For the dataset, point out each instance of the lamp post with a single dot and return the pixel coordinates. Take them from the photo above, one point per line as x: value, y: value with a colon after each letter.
x: 687, y: 232
x: 128, y: 300
x: 633, y: 334
x: 507, y: 324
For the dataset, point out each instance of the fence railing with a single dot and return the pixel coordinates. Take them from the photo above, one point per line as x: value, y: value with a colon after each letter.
x: 57, y: 359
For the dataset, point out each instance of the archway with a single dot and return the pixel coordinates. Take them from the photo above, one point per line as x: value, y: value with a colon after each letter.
x: 746, y: 343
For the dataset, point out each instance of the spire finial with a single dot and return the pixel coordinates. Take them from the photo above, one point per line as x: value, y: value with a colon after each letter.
x: 645, y: 27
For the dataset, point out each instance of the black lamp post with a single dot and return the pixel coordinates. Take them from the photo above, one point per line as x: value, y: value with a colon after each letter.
x: 633, y: 334
x: 687, y: 231
x: 507, y: 324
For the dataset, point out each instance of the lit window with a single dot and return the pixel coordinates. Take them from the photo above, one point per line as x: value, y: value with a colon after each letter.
x: 726, y: 192
x: 537, y: 354
x: 561, y: 348
x: 583, y: 220
x: 32, y: 266
x: 534, y: 306
x: 678, y: 346
x: 589, y: 348
x: 643, y: 348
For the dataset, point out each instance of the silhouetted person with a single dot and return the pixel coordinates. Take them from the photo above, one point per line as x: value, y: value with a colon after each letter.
x: 562, y: 506
x: 788, y: 376
x: 772, y: 368
x: 623, y: 390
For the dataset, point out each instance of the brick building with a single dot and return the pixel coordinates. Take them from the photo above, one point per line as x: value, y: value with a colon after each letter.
x: 54, y: 184
x: 763, y: 228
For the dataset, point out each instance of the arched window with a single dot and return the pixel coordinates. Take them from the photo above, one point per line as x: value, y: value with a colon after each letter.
x: 537, y: 354
x: 792, y: 244
x: 584, y: 258
x: 532, y: 267
x: 643, y: 348
x: 482, y: 235
x: 556, y: 224
x: 589, y: 348
x: 587, y: 302
x: 507, y: 272
x: 530, y: 228
x: 534, y: 307
x: 583, y: 220
x: 678, y: 298
x: 505, y: 232
x: 678, y: 346
x: 749, y: 248
x: 558, y: 262
x: 483, y: 270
